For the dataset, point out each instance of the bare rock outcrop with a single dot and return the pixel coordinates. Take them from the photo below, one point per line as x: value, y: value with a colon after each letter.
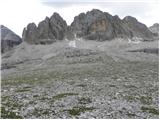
x: 93, y: 25
x: 47, y: 31
x: 8, y: 39
x: 155, y: 30
x: 98, y: 25
x: 138, y: 29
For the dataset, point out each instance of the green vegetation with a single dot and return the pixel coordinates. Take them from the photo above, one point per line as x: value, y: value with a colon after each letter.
x: 131, y: 115
x: 84, y: 100
x: 131, y: 98
x: 5, y: 114
x: 44, y: 98
x: 41, y: 112
x: 79, y: 109
x: 143, y: 99
x: 146, y: 99
x: 22, y: 90
x: 81, y: 85
x: 150, y: 110
x: 11, y: 103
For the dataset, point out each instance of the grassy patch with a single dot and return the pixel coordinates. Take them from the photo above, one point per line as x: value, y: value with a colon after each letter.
x: 22, y: 90
x: 41, y: 112
x: 81, y: 85
x: 35, y: 96
x: 131, y: 114
x: 44, y: 98
x: 131, y: 98
x: 5, y: 98
x: 8, y: 114
x: 145, y: 99
x: 11, y: 103
x: 84, y: 100
x: 80, y: 109
x: 150, y: 110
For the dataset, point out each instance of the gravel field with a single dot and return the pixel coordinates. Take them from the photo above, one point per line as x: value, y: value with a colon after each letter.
x: 89, y: 80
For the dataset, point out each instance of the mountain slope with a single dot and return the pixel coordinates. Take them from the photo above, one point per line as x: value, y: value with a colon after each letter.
x: 8, y: 39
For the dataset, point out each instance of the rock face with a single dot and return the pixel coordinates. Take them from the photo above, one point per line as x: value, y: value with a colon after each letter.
x: 93, y: 25
x: 154, y: 29
x: 98, y: 25
x: 138, y: 29
x: 48, y: 30
x: 8, y: 39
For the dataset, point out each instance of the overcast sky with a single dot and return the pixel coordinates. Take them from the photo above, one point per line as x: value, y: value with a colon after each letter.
x: 16, y: 14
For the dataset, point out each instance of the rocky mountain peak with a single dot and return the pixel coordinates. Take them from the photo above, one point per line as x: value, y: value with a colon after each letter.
x: 154, y: 28
x: 48, y: 30
x: 92, y: 25
x: 8, y: 39
x: 130, y: 19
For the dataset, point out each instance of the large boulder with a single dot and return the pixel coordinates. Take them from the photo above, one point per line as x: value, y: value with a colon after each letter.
x: 8, y: 39
x: 47, y: 31
x: 98, y: 25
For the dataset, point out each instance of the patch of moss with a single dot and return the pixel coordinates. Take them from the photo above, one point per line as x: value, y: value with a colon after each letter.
x: 11, y: 103
x: 35, y: 96
x: 81, y: 85
x: 145, y: 99
x: 130, y: 98
x: 131, y: 114
x: 80, y: 109
x: 84, y: 100
x: 62, y: 95
x: 41, y: 112
x: 4, y: 98
x: 150, y: 110
x: 9, y: 115
x: 22, y: 90
x: 44, y: 98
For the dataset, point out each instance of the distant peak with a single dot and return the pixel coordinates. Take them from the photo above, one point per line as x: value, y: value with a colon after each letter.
x: 55, y: 14
x: 95, y: 11
x: 130, y: 18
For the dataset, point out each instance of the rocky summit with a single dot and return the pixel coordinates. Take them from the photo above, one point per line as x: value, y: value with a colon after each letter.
x: 154, y: 28
x: 93, y: 25
x: 48, y: 30
x: 98, y: 25
x: 8, y: 39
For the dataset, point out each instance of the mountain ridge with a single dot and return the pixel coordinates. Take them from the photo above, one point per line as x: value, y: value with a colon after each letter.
x: 9, y: 39
x: 92, y: 25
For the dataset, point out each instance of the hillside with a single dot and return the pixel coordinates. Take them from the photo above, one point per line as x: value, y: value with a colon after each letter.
x: 59, y: 72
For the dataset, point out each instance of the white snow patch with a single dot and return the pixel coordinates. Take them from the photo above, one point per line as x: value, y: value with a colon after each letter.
x: 72, y: 43
x: 135, y: 40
